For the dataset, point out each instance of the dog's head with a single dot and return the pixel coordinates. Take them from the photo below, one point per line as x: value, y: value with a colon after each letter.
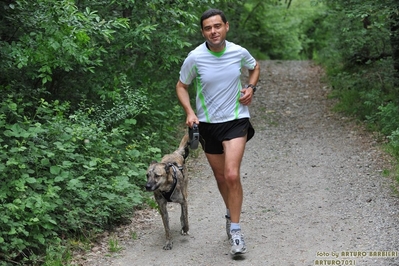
x: 157, y: 175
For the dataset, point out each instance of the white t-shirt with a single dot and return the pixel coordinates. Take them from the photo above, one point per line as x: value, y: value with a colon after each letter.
x: 217, y: 80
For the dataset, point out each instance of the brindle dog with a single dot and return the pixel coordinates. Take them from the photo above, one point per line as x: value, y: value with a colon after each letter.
x: 168, y: 180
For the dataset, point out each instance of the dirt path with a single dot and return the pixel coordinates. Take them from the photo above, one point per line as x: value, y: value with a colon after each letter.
x: 314, y: 193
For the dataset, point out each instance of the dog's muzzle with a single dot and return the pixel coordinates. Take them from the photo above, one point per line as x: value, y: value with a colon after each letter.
x: 151, y: 186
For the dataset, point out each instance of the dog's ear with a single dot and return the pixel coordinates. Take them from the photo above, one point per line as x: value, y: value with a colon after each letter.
x: 153, y: 162
x: 167, y: 166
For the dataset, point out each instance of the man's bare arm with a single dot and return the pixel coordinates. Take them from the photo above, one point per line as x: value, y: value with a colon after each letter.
x: 254, y: 75
x: 184, y: 98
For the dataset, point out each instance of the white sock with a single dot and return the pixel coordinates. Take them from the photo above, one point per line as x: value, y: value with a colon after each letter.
x: 235, y: 227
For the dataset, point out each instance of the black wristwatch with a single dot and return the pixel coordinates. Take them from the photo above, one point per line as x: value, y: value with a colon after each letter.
x: 252, y: 86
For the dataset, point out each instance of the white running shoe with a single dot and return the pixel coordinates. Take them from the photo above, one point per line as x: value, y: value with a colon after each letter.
x: 237, y: 243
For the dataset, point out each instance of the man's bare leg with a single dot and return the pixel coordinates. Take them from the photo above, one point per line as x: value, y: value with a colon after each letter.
x: 226, y: 169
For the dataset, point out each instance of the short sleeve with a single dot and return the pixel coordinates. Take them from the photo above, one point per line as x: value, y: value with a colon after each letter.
x: 188, y: 70
x: 248, y: 61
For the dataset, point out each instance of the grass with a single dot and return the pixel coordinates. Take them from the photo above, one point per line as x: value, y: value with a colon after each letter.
x: 113, y: 245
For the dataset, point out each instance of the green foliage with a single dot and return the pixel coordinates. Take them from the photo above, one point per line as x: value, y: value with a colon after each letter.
x: 387, y: 118
x: 273, y: 30
x: 359, y: 55
x: 88, y: 101
x: 113, y: 245
x: 394, y: 143
x: 363, y: 64
x: 360, y: 92
x: 53, y: 39
x: 68, y: 174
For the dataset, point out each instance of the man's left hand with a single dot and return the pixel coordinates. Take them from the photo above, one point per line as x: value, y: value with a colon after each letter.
x: 246, y: 96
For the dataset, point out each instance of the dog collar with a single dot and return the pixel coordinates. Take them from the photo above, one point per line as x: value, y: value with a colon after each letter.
x: 168, y: 195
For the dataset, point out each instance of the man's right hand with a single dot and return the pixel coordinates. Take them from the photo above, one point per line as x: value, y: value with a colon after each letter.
x: 191, y: 119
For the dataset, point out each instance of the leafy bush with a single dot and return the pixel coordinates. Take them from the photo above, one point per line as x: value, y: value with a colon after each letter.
x: 63, y: 175
x: 362, y: 63
x: 275, y: 30
x: 394, y: 143
x: 388, y: 118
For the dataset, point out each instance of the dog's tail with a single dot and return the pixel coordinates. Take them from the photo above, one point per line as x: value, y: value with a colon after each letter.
x: 183, y: 147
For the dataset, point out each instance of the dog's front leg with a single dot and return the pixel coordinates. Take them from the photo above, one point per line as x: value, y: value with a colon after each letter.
x: 184, y: 218
x: 165, y: 219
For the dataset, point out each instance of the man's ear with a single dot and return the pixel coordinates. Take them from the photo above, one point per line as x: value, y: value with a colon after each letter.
x: 227, y: 26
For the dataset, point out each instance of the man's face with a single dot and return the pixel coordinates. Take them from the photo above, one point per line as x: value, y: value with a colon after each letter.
x: 214, y: 31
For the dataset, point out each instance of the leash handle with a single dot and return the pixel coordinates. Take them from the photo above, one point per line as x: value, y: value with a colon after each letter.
x: 193, y: 136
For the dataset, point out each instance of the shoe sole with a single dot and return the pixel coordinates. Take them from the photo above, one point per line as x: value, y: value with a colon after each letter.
x: 238, y: 252
x: 238, y: 256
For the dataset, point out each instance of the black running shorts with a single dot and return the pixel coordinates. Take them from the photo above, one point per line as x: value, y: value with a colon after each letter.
x: 213, y: 134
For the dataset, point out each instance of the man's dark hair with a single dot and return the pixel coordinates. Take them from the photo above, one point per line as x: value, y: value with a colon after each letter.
x: 213, y: 12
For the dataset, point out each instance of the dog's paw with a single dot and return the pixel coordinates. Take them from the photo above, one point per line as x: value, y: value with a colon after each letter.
x: 184, y: 233
x: 168, y: 245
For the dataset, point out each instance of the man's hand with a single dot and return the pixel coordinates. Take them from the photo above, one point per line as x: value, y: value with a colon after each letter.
x: 191, y: 119
x: 246, y: 96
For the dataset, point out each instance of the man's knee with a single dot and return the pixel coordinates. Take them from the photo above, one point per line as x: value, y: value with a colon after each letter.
x: 233, y: 179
